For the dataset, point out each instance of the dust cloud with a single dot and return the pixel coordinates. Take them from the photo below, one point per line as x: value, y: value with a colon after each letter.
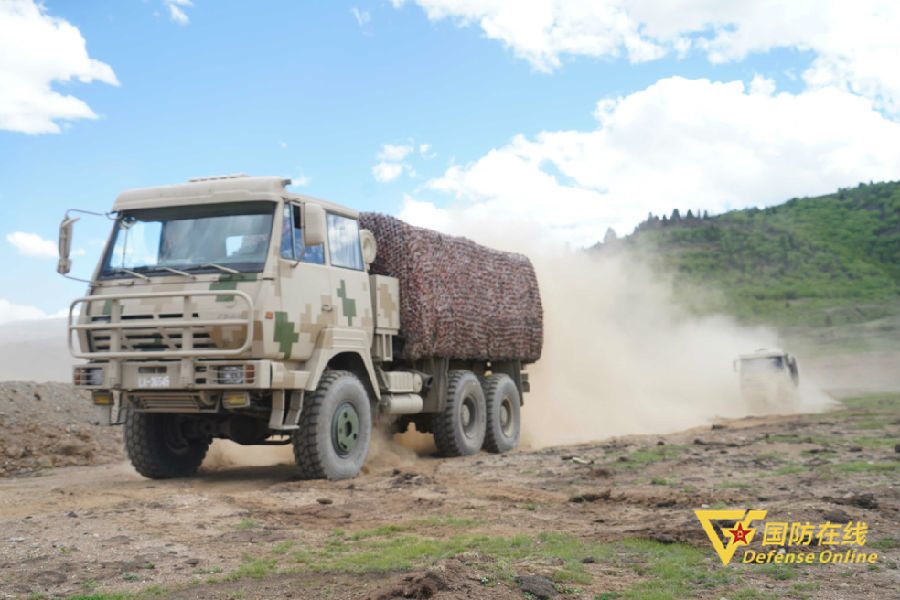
x: 620, y: 358
x: 225, y: 454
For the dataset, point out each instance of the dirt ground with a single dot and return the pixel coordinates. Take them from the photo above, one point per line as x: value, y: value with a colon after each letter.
x: 613, y: 519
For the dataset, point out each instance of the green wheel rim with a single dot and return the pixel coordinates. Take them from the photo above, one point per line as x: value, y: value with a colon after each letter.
x: 345, y: 429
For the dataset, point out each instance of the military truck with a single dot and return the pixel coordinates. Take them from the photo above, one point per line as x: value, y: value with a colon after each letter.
x: 230, y: 307
x: 769, y: 379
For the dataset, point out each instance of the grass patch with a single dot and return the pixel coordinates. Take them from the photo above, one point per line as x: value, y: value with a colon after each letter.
x: 873, y: 401
x: 861, y: 466
x: 741, y: 485
x: 885, y: 544
x: 780, y: 572
x: 257, y: 568
x: 660, y: 481
x: 789, y: 470
x: 874, y: 442
x: 247, y: 524
x: 646, y: 455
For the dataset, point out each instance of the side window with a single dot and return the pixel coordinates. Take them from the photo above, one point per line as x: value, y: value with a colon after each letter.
x: 292, y: 238
x: 343, y: 242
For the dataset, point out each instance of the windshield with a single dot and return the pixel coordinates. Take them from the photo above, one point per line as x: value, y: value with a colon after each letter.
x: 756, y: 365
x: 191, y: 238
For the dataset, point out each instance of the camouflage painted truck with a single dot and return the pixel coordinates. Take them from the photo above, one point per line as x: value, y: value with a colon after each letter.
x: 228, y: 307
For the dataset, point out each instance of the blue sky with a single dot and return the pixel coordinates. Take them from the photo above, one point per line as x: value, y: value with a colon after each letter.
x: 571, y: 116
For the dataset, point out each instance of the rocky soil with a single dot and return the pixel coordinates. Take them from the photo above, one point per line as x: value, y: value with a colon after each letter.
x: 52, y: 425
x: 612, y: 519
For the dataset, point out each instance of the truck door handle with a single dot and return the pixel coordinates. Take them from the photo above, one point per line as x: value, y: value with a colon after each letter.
x: 327, y: 307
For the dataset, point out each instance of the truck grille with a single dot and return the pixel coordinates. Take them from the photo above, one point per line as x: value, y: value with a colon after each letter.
x: 115, y: 334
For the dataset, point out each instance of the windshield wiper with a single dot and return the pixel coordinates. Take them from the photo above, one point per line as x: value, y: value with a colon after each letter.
x: 130, y: 272
x: 220, y: 267
x: 176, y: 271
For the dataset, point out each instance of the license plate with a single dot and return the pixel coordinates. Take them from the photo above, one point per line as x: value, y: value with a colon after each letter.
x: 154, y: 381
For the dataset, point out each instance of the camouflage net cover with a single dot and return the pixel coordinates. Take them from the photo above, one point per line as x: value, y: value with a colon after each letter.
x: 458, y: 299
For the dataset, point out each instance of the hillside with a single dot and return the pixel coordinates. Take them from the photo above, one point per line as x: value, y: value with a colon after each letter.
x: 826, y: 261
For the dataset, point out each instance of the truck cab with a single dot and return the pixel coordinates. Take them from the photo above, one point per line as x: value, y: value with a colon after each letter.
x: 769, y: 379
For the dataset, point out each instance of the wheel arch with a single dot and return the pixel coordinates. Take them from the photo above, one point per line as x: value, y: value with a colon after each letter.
x: 343, y: 349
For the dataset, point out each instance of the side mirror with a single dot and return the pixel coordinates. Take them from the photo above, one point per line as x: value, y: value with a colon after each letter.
x: 65, y: 245
x: 313, y: 224
x: 369, y: 246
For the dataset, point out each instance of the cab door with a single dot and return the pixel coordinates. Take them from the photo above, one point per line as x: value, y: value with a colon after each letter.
x: 307, y: 297
x: 349, y: 280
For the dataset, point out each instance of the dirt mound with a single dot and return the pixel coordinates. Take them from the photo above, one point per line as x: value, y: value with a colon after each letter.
x: 52, y: 425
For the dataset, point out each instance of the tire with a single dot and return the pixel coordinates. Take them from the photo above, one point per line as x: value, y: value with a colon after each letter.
x: 335, y: 428
x: 159, y: 447
x: 503, y: 408
x: 460, y: 428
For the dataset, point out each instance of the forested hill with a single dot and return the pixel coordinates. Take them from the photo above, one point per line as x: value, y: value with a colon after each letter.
x: 809, y: 260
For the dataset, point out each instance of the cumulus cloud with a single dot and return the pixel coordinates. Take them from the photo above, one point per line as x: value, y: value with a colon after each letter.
x: 362, y: 16
x: 854, y: 42
x: 20, y: 312
x: 391, y: 165
x: 31, y: 244
x: 387, y: 171
x: 176, y: 10
x: 688, y: 144
x: 301, y: 179
x: 37, y: 50
x: 394, y: 153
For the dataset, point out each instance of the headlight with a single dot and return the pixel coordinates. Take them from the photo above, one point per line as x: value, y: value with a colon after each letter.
x: 87, y: 376
x: 235, y: 374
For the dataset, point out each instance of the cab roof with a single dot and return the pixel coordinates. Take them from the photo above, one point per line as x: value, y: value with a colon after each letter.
x: 216, y: 190
x: 764, y: 353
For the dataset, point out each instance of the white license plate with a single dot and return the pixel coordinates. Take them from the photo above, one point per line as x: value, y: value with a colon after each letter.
x: 154, y: 381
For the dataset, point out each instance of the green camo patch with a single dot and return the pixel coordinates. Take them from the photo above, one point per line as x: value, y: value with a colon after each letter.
x: 284, y: 334
x: 348, y: 304
x: 229, y: 281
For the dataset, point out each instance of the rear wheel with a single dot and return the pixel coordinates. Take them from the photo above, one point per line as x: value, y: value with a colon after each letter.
x: 503, y: 413
x: 335, y: 428
x: 164, y: 445
x: 459, y: 429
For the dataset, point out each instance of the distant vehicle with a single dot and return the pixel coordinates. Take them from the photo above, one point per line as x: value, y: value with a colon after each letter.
x: 769, y: 379
x: 228, y: 307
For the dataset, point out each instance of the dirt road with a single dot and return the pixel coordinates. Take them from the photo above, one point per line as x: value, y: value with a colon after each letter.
x: 608, y: 520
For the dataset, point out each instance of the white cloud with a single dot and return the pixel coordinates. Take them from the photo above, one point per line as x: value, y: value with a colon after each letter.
x: 391, y: 165
x: 855, y: 43
x: 687, y: 144
x: 301, y: 180
x: 37, y: 50
x: 282, y: 144
x: 176, y: 12
x: 394, y: 153
x: 20, y: 312
x: 31, y: 244
x: 362, y: 16
x: 387, y: 171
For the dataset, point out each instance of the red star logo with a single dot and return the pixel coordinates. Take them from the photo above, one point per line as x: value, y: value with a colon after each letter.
x: 739, y: 534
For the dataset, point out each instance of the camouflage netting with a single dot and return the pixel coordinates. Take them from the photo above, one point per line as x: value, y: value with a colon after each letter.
x: 458, y: 299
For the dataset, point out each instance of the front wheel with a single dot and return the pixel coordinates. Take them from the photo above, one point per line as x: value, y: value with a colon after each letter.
x: 335, y: 428
x: 459, y: 429
x: 161, y: 446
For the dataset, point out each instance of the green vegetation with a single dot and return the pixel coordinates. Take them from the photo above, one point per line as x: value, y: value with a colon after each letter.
x: 247, y: 524
x: 823, y: 261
